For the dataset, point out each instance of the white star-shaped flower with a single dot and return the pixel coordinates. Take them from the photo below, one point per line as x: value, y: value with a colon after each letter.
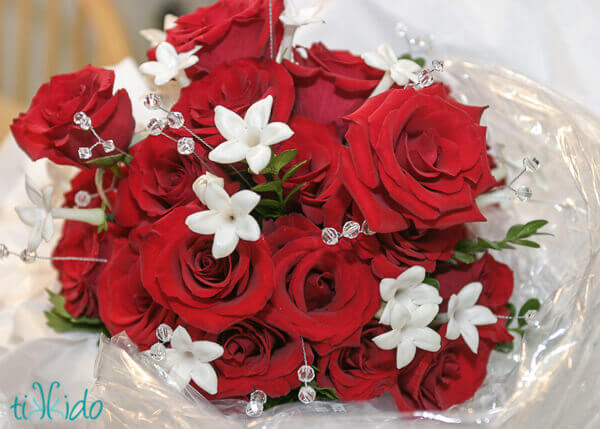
x: 202, y: 182
x: 39, y: 217
x: 400, y: 71
x: 464, y: 315
x: 228, y: 218
x: 410, y: 331
x: 293, y: 18
x: 170, y: 65
x: 408, y: 290
x: 187, y: 360
x: 249, y: 138
x: 156, y: 36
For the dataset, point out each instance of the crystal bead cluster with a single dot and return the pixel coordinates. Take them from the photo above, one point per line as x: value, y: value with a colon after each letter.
x: 524, y: 193
x: 84, y: 122
x: 158, y: 351
x: 256, y: 405
x: 174, y: 120
x: 425, y: 76
x: 351, y: 230
x: 306, y: 374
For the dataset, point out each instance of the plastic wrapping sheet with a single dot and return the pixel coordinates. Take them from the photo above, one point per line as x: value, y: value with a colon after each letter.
x: 548, y: 380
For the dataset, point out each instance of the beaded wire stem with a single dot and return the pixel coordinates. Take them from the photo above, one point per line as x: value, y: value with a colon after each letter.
x: 29, y: 256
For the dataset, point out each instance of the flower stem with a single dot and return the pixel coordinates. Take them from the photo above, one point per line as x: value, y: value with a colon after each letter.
x: 100, y: 187
x: 92, y: 216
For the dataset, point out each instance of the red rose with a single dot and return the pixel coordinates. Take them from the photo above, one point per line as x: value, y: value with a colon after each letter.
x: 330, y: 84
x: 416, y: 158
x: 403, y: 249
x: 323, y: 199
x: 159, y: 180
x: 326, y: 293
x: 79, y: 278
x: 47, y: 130
x: 436, y: 381
x: 227, y: 30
x: 360, y: 373
x: 180, y: 273
x: 236, y: 85
x: 125, y: 305
x: 497, y: 281
x: 258, y: 355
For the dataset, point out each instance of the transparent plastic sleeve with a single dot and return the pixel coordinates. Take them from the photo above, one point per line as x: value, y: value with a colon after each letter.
x: 548, y: 380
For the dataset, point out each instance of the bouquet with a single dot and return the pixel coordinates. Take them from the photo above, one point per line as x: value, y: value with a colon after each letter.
x: 293, y: 224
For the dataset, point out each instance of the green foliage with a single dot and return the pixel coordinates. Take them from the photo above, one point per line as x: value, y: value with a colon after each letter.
x: 110, y: 161
x: 420, y: 61
x: 466, y: 250
x: 530, y: 304
x: 432, y: 282
x: 59, y: 319
x: 323, y: 394
x: 274, y: 208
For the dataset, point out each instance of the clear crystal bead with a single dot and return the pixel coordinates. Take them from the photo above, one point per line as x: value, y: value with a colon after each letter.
x: 185, y: 145
x: 28, y: 256
x: 108, y: 145
x: 3, y: 251
x: 425, y: 78
x: 366, y: 230
x: 82, y: 120
x: 164, y: 333
x: 530, y: 315
x: 307, y: 394
x: 175, y: 120
x: 351, y: 229
x: 306, y: 374
x: 84, y: 152
x: 330, y: 236
x: 158, y: 351
x: 152, y: 101
x: 401, y: 29
x: 258, y: 396
x: 156, y: 126
x: 531, y: 164
x: 83, y: 198
x: 523, y: 193
x: 254, y: 409
x: 437, y: 65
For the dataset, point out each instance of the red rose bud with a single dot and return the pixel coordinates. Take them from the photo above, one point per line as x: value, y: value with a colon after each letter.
x: 47, y: 130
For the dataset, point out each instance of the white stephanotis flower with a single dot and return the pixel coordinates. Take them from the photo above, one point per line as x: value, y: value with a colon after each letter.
x: 156, y: 36
x: 249, y: 138
x: 293, y: 18
x: 400, y: 71
x: 410, y: 331
x: 202, y: 182
x: 41, y: 215
x: 170, y: 65
x: 464, y: 316
x: 187, y: 360
x: 228, y: 218
x: 407, y: 290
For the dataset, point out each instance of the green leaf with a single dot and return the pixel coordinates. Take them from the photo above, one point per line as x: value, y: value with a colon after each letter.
x: 268, y: 187
x: 269, y: 208
x: 291, y: 171
x: 464, y: 257
x: 420, y: 61
x: 505, y: 347
x: 292, y: 193
x: 108, y: 161
x: 527, y: 243
x: 532, y: 227
x: 511, y: 316
x: 59, y: 319
x: 279, y: 161
x: 432, y: 282
x: 530, y: 304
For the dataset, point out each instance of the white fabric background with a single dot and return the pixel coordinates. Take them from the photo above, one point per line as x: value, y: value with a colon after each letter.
x: 550, y: 41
